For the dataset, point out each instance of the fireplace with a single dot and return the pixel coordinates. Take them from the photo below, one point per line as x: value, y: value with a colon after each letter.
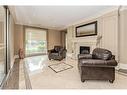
x: 84, y: 49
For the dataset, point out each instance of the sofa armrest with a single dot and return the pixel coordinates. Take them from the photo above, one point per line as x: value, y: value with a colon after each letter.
x: 113, y: 57
x: 84, y: 56
x: 111, y: 62
x: 63, y: 51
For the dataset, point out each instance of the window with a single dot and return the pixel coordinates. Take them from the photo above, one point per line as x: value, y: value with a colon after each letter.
x: 35, y: 41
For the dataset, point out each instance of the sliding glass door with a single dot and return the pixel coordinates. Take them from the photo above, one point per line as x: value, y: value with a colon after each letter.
x: 35, y: 41
x: 2, y: 44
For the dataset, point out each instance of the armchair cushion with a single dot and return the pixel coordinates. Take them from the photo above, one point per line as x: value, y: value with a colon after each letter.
x: 97, y: 62
x: 55, y: 54
x: 57, y: 48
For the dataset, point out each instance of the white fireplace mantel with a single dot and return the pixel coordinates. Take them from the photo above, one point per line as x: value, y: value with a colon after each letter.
x: 77, y: 42
x: 86, y: 40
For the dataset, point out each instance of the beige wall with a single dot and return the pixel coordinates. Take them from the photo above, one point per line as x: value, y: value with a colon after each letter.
x: 18, y: 38
x: 54, y: 38
x: 112, y: 38
x: 123, y: 36
x: 63, y: 38
x: 109, y: 32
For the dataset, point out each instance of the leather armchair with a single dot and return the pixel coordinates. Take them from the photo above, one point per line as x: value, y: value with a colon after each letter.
x: 100, y: 65
x: 58, y: 53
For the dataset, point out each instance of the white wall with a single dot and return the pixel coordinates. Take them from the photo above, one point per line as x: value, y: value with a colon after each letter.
x: 18, y: 38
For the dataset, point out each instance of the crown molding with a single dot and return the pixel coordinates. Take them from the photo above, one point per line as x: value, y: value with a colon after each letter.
x: 123, y: 8
x: 39, y: 26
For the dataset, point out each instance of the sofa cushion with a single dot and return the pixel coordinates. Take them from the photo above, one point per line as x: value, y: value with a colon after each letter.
x: 84, y: 56
x: 103, y: 54
x: 97, y: 62
x: 55, y: 54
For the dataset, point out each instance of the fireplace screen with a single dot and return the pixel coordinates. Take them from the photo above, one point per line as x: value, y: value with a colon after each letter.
x: 84, y: 50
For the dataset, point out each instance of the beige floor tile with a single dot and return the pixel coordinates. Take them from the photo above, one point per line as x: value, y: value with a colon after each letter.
x: 42, y: 77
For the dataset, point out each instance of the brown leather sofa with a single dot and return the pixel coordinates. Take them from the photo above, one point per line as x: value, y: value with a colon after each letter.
x: 100, y: 65
x: 58, y: 53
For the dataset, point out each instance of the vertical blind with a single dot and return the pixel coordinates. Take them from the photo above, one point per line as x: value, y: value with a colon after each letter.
x: 36, y: 41
x: 36, y: 34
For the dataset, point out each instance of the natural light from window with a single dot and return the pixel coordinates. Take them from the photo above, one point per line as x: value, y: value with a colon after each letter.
x: 35, y: 42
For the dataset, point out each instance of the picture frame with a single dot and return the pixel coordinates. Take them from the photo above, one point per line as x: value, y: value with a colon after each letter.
x: 89, y: 29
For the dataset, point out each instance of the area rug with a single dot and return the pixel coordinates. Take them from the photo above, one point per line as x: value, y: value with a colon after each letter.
x: 60, y: 67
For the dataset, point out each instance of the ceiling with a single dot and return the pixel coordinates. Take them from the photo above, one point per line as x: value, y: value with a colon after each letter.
x: 54, y: 17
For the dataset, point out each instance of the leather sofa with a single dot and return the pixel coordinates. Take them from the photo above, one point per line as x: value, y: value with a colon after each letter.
x: 58, y: 53
x: 100, y: 65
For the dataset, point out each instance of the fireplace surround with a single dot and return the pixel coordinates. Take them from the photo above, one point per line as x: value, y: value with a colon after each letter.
x: 84, y: 50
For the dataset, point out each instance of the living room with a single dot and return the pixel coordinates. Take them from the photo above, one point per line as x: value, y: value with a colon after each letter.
x: 87, y: 50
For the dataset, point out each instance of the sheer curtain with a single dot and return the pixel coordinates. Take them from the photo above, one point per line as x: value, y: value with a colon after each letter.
x: 35, y: 41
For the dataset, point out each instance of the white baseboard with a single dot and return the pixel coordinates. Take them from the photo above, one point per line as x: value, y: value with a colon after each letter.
x: 122, y: 66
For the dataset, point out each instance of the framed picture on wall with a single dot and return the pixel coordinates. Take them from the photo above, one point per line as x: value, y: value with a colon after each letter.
x: 89, y: 29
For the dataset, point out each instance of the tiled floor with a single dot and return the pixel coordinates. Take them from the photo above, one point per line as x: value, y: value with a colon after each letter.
x: 12, y: 80
x: 42, y: 77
